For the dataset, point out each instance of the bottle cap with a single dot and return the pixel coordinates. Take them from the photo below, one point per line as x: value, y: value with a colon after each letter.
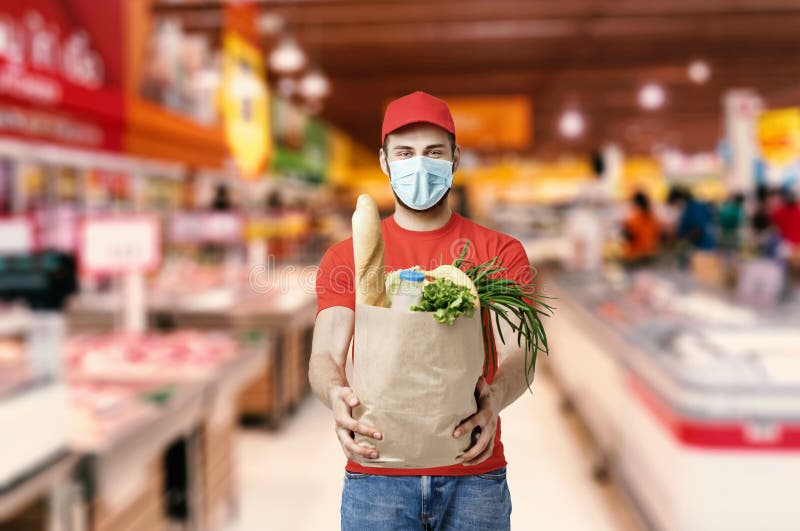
x: 411, y: 275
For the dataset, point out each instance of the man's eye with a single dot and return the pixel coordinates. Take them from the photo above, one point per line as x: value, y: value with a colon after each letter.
x: 435, y: 153
x: 405, y: 154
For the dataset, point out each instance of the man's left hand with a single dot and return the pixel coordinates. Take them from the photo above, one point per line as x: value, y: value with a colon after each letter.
x: 486, y: 418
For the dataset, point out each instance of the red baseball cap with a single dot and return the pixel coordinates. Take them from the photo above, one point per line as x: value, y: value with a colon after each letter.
x: 414, y: 108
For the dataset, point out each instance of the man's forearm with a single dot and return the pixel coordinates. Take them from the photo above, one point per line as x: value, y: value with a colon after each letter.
x: 324, y: 374
x: 509, y: 381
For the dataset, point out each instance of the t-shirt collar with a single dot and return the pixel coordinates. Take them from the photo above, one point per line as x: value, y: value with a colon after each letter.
x: 451, y: 224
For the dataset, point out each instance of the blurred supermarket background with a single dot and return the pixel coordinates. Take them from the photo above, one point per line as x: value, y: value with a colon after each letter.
x: 172, y: 170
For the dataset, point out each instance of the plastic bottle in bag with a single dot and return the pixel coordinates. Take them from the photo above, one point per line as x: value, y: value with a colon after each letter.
x: 409, y: 292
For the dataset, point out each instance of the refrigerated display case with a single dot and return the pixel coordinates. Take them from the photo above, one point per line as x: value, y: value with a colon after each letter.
x: 32, y: 396
x: 693, y: 399
x: 31, y: 385
x: 156, y: 416
x: 277, y: 300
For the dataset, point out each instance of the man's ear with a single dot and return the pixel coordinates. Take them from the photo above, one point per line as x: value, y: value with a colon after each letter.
x: 456, y: 157
x: 383, y: 162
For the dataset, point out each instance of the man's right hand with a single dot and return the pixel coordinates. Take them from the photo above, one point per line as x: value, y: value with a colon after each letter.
x: 343, y: 400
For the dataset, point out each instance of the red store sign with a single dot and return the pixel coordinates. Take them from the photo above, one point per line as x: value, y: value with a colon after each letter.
x: 61, y: 71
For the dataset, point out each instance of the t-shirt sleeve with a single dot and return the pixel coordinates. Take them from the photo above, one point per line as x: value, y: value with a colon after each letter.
x: 335, y: 281
x: 514, y: 258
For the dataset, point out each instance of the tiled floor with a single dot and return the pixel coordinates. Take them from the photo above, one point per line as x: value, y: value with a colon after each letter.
x: 292, y: 479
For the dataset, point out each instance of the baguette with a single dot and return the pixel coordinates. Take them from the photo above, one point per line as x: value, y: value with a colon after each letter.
x: 368, y: 253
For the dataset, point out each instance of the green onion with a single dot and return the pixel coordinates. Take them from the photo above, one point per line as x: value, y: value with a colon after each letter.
x: 502, y: 296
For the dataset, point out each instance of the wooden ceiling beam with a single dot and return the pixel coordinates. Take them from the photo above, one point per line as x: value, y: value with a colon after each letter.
x: 590, y: 53
x: 371, y: 11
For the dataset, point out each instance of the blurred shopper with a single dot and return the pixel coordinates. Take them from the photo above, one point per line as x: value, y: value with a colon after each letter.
x: 419, y: 156
x: 222, y: 198
x: 762, y: 278
x: 768, y: 199
x: 641, y: 231
x: 696, y: 221
x: 273, y: 204
x: 732, y: 218
x: 765, y: 238
x: 787, y: 222
x: 221, y: 202
x: 787, y: 219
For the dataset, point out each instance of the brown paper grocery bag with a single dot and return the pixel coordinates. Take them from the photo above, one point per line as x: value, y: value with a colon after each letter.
x: 415, y: 379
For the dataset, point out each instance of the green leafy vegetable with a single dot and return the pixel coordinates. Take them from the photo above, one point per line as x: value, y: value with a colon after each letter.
x: 512, y: 302
x: 446, y: 300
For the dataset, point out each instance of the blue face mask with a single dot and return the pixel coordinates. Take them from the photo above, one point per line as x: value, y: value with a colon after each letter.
x: 420, y: 182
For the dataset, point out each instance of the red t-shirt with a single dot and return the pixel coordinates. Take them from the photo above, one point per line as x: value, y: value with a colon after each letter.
x: 405, y: 248
x: 787, y: 219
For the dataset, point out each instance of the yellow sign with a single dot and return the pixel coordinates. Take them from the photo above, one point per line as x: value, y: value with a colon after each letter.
x: 245, y: 105
x: 779, y: 135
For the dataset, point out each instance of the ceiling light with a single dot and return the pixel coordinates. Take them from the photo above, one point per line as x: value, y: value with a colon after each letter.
x: 652, y: 96
x: 571, y: 124
x: 698, y: 71
x: 314, y: 86
x: 287, y: 57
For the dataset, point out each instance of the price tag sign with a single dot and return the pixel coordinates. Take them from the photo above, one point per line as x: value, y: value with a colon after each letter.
x: 120, y: 244
x: 188, y: 228
x: 183, y: 228
x: 17, y: 235
x: 223, y: 227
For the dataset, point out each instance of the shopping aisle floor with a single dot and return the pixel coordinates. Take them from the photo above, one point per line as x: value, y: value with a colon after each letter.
x: 292, y: 479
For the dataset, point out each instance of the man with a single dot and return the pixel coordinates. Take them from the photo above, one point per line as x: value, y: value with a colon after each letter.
x: 419, y: 155
x: 696, y: 219
x: 641, y: 231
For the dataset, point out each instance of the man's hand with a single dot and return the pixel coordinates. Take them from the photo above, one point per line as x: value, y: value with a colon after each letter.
x: 486, y: 419
x: 343, y: 400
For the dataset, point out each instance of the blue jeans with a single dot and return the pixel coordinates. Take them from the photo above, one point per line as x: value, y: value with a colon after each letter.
x: 446, y: 503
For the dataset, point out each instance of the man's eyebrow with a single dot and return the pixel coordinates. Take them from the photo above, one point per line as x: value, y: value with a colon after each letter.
x: 404, y: 147
x: 433, y: 146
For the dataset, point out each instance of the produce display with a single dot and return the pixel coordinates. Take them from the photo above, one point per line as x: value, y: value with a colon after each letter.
x: 120, y: 356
